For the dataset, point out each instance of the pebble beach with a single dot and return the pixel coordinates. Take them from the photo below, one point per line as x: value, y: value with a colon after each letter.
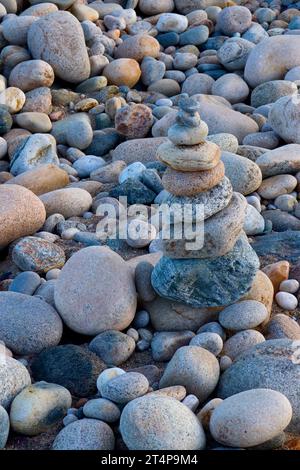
x: 149, y: 225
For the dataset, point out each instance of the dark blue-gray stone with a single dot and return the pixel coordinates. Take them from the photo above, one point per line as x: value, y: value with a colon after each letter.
x: 207, y: 282
x: 168, y: 39
x: 272, y: 364
x: 6, y: 121
x: 208, y: 67
x: 102, y: 121
x: 197, y: 35
x: 281, y: 220
x: 160, y: 167
x: 103, y: 141
x: 215, y: 74
x: 214, y: 42
x: 282, y: 245
x: 152, y: 180
x: 87, y: 238
x: 135, y: 191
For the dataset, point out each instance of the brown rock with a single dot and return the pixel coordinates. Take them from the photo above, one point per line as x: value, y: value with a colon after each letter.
x: 42, y: 179
x: 5, y: 176
x: 282, y: 326
x: 122, y: 72
x: 138, y: 150
x: 31, y: 74
x: 183, y: 183
x: 69, y: 202
x: 137, y: 47
x: 21, y: 213
x: 14, y: 138
x: 277, y: 272
x: 189, y: 158
x: 134, y: 120
x: 109, y: 173
x: 92, y: 187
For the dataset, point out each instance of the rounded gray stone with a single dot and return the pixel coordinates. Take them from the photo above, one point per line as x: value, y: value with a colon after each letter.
x: 244, y: 175
x: 195, y: 368
x: 160, y: 423
x: 250, y: 418
x: 85, y: 434
x: 241, y: 342
x: 207, y: 282
x: 113, y: 347
x: 88, y: 282
x: 125, y: 387
x: 165, y: 343
x: 58, y: 39
x: 210, y: 341
x: 28, y: 324
x: 103, y: 409
x: 243, y: 315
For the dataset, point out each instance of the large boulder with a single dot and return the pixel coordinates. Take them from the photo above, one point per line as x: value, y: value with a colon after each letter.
x: 58, y: 39
x: 95, y: 292
x: 272, y: 58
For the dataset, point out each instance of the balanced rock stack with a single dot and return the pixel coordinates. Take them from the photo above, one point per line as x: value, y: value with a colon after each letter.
x: 220, y: 270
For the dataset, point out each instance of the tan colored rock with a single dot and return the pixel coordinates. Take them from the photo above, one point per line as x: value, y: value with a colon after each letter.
x: 14, y: 138
x: 261, y: 290
x: 122, y: 72
x: 69, y: 202
x: 189, y: 158
x: 137, y: 47
x: 34, y: 122
x: 277, y: 185
x: 96, y: 292
x: 92, y: 187
x: 21, y: 213
x: 283, y: 160
x: 183, y: 183
x: 84, y: 12
x: 277, y: 272
x: 31, y: 74
x: 138, y: 150
x: 109, y: 173
x: 42, y: 179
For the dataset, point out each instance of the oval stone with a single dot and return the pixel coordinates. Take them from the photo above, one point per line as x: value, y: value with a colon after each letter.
x: 95, y: 291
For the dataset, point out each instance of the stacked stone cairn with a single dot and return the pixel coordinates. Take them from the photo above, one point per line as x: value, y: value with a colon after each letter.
x: 221, y: 269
